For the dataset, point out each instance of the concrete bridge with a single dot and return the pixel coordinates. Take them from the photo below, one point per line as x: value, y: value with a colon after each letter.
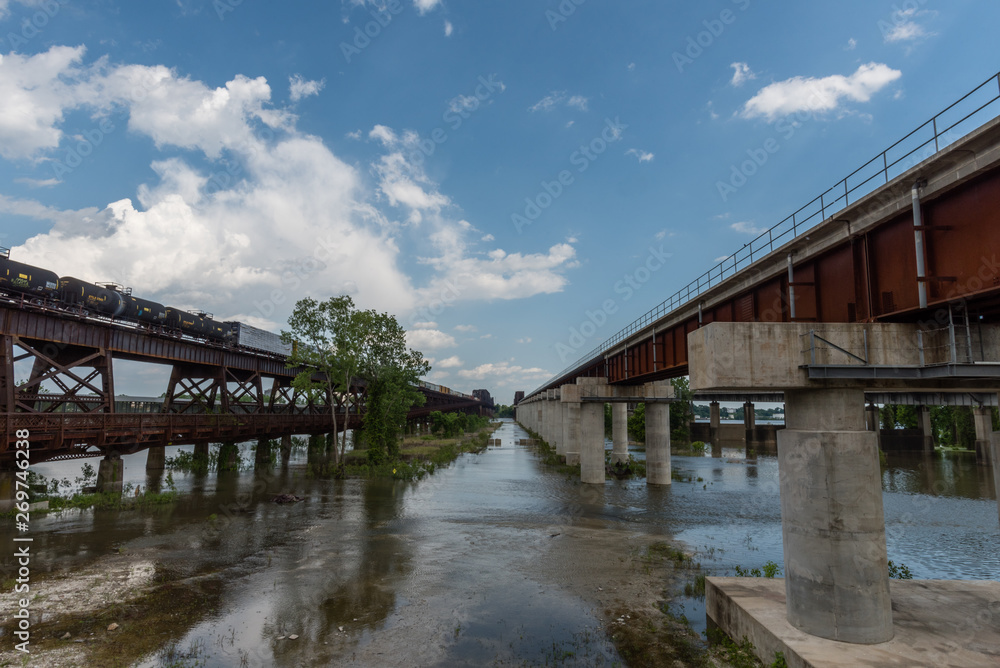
x: 888, y: 282
x: 215, y: 394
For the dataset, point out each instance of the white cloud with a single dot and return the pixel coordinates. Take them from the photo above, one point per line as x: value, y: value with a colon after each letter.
x: 466, y: 328
x: 429, y: 339
x: 578, y: 101
x: 38, y: 183
x: 813, y: 95
x: 526, y: 339
x: 301, y: 88
x: 746, y: 227
x: 424, y: 6
x: 741, y: 74
x: 641, y: 156
x: 488, y: 238
x: 356, y: 135
x: 448, y: 28
x: 904, y: 26
x: 504, y: 371
x: 549, y: 102
x: 425, y: 325
x: 450, y: 362
x: 631, y: 67
x: 282, y: 215
x: 851, y: 44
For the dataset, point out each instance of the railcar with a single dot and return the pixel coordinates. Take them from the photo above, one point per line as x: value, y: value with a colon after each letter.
x: 92, y: 297
x: 196, y: 325
x: 28, y: 280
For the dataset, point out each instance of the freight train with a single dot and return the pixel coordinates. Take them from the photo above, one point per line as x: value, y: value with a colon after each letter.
x: 115, y: 302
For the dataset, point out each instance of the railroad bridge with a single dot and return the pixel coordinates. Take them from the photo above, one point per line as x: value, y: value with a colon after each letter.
x: 215, y: 393
x: 888, y: 282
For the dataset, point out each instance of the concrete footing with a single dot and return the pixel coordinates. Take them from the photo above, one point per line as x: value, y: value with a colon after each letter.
x: 657, y: 444
x: 286, y: 449
x: 111, y: 474
x: 832, y: 522
x: 938, y: 623
x: 262, y: 456
x: 229, y: 457
x: 619, y: 433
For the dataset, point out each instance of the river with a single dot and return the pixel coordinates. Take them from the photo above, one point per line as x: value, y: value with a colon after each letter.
x: 494, y: 560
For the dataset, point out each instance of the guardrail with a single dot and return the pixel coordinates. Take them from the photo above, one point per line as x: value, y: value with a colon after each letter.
x: 877, y: 172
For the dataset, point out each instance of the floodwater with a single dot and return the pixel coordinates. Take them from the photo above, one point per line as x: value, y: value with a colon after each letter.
x: 474, y: 565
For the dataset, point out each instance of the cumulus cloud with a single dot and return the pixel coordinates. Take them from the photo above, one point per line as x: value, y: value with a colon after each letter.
x: 741, y: 74
x: 466, y: 328
x: 448, y: 28
x: 450, y: 362
x: 300, y: 87
x: 819, y: 95
x: 429, y: 339
x: 504, y: 371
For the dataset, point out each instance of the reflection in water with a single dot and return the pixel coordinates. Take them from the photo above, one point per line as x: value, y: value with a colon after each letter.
x: 449, y: 570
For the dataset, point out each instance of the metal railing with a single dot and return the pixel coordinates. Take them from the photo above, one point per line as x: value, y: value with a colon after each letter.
x: 877, y: 172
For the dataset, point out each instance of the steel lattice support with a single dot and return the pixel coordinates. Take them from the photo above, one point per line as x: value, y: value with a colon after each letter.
x: 83, y: 376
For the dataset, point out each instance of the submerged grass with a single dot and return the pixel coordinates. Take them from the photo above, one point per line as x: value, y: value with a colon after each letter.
x: 418, y: 456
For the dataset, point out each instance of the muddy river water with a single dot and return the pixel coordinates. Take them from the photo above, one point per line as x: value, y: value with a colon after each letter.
x: 494, y: 560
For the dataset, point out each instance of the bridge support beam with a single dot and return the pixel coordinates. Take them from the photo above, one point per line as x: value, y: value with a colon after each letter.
x: 714, y: 424
x: 111, y: 474
x: 657, y: 444
x: 983, y: 418
x: 286, y: 449
x: 8, y: 486
x: 619, y: 433
x: 832, y: 523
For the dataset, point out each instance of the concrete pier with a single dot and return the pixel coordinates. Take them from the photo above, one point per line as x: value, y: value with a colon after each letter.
x: 714, y: 422
x: 657, y: 444
x: 832, y: 523
x: 983, y: 418
x: 995, y: 448
x: 619, y: 432
x: 262, y: 456
x: 229, y: 456
x: 592, y: 443
x: 570, y: 441
x: 286, y: 449
x: 111, y: 474
x: 924, y: 422
x: 8, y: 484
x: 156, y: 458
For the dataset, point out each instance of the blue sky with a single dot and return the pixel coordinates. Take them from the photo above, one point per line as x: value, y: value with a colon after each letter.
x: 494, y: 173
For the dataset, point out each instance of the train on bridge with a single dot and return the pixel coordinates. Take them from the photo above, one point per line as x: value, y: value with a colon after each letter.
x: 21, y: 281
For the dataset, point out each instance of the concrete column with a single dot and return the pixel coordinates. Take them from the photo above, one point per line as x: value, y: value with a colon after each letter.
x: 201, y: 451
x: 714, y: 422
x: 556, y: 423
x: 657, y: 444
x: 111, y: 474
x: 592, y: 443
x: 619, y: 432
x: 924, y: 421
x: 286, y: 449
x: 263, y: 454
x: 983, y: 418
x: 832, y: 523
x: 749, y: 423
x: 560, y: 428
x: 229, y: 457
x: 571, y: 432
x: 156, y: 458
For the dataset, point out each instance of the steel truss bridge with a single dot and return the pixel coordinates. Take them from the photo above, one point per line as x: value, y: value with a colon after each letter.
x: 215, y: 393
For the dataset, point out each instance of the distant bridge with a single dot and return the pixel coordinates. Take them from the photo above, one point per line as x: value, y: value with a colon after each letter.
x: 215, y: 393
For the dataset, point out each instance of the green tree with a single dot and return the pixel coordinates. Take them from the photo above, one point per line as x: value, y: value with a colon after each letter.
x: 681, y: 411
x: 894, y: 416
x: 391, y: 370
x: 329, y: 338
